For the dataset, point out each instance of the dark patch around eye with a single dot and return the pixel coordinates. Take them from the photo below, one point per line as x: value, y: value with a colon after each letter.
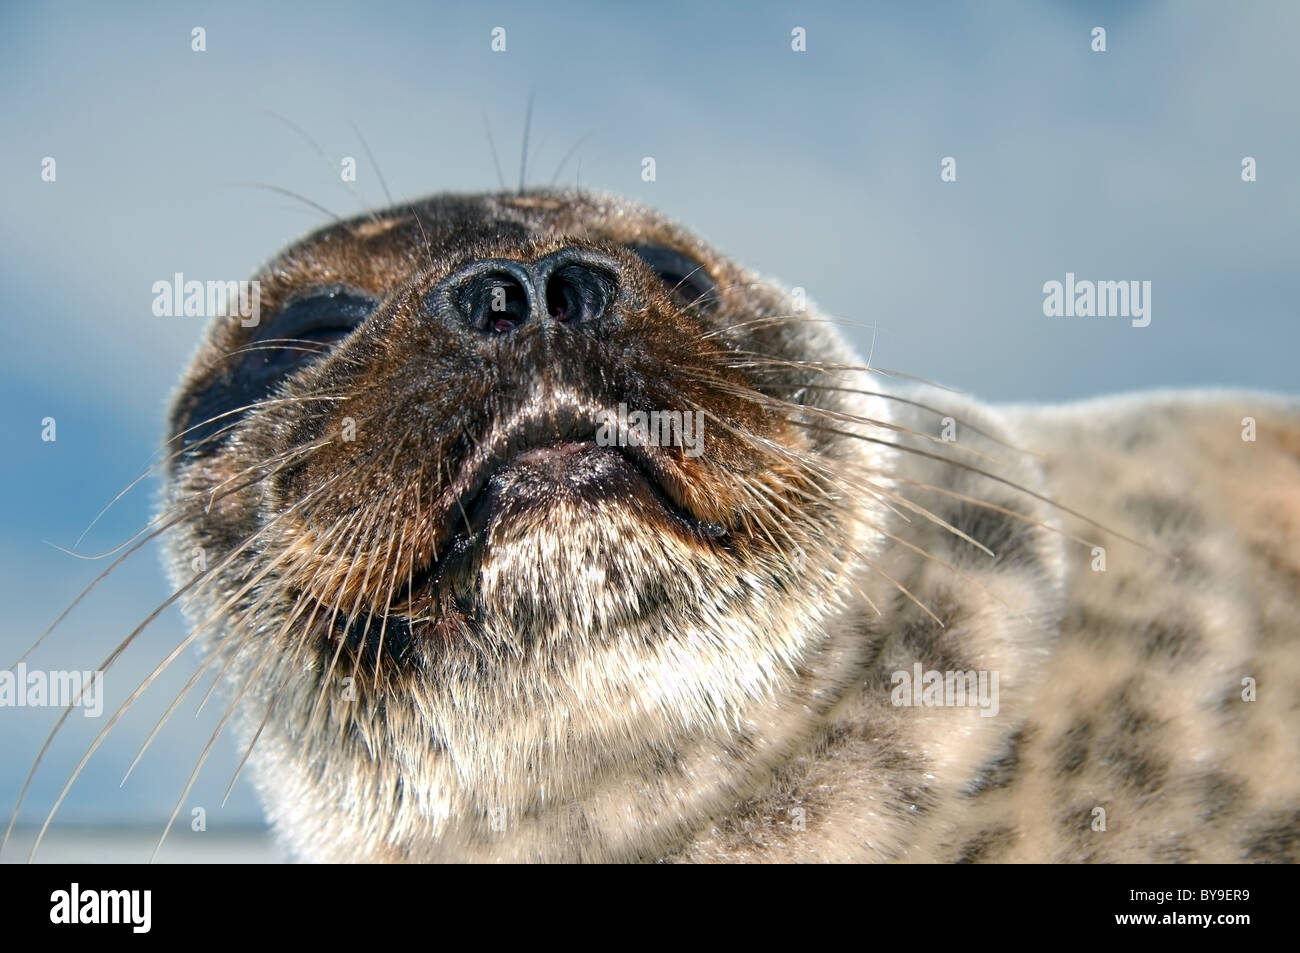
x: 684, y: 277
x: 301, y: 331
x: 305, y: 328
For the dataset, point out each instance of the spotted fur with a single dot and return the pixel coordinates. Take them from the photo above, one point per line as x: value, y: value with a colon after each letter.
x: 613, y: 689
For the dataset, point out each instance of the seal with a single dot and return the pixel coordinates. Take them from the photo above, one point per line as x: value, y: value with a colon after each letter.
x: 528, y: 527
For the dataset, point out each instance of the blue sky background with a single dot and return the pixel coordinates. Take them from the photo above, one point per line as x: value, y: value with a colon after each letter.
x: 820, y: 168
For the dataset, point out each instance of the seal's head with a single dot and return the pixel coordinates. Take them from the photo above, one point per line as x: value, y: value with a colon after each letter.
x: 526, y: 526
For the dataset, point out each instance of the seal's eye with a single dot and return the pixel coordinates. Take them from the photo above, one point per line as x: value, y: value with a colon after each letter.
x: 686, y: 278
x: 307, y: 327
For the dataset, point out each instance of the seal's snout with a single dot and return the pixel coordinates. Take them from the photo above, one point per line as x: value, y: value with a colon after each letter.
x: 497, y: 295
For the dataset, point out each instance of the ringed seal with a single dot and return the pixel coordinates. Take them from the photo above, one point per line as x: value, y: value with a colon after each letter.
x: 464, y: 611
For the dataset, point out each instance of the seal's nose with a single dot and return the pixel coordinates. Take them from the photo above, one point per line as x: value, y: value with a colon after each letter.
x: 495, y: 296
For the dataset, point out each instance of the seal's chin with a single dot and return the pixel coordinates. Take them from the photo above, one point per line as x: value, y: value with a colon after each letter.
x: 572, y: 544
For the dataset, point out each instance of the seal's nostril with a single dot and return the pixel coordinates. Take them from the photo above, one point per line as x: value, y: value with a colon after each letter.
x: 576, y: 293
x: 562, y: 299
x: 494, y: 303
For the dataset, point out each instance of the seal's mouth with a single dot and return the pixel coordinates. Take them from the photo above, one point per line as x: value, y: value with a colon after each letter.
x: 578, y: 474
x: 550, y: 465
x: 559, y: 454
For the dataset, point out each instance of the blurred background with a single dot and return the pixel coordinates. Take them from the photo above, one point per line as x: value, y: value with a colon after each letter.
x: 820, y: 168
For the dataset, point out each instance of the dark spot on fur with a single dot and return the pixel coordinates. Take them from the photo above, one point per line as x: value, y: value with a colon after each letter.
x: 1091, y: 625
x: 1277, y: 842
x: 986, y: 846
x: 1012, y: 541
x: 1230, y: 704
x: 1281, y: 567
x: 935, y: 647
x: 1171, y: 639
x: 1075, y: 822
x: 1220, y: 795
x: 665, y: 763
x: 1073, y: 750
x: 1164, y: 513
x: 1001, y: 770
x: 1160, y: 635
x: 1142, y: 435
x: 1173, y: 850
x: 1127, y: 749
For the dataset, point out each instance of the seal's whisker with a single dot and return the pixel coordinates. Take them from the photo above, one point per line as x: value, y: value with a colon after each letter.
x: 170, y: 458
x: 325, y: 159
x: 94, y: 746
x: 212, y: 656
x: 492, y: 147
x: 960, y: 573
x: 239, y: 768
x: 753, y: 360
x: 751, y: 490
x: 268, y: 652
x: 842, y: 416
x: 383, y: 184
x: 207, y: 749
x: 198, y: 581
x: 523, y: 149
x: 909, y: 594
x: 289, y: 193
x: 299, y: 648
x: 370, y: 561
x: 410, y: 577
x: 265, y: 402
x: 810, y: 465
x: 395, y: 546
x: 875, y: 488
x: 1005, y: 511
x: 281, y: 345
x: 784, y: 320
x: 167, y: 519
x: 302, y: 345
x: 871, y: 564
x: 904, y: 431
x: 419, y: 223
x: 178, y: 517
x: 960, y: 421
x: 568, y: 155
x: 990, y: 475
x: 284, y: 459
x: 264, y: 600
x: 370, y: 615
x: 336, y: 607
x: 1025, y: 490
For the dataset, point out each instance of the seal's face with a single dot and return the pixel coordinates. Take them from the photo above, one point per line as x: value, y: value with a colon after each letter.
x: 499, y: 498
